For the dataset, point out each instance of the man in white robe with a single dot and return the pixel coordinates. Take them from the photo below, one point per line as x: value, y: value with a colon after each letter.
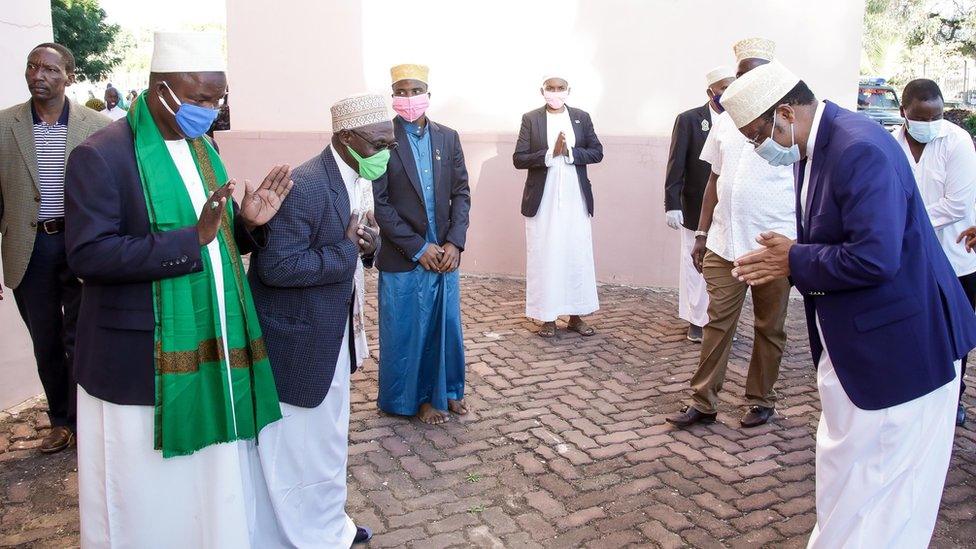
x: 308, y: 290
x: 555, y: 144
x: 201, y: 494
x: 888, y: 319
x: 684, y: 187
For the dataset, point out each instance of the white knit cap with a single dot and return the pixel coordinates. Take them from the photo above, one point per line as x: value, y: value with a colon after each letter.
x: 359, y: 110
x: 718, y: 74
x: 756, y: 91
x: 188, y: 52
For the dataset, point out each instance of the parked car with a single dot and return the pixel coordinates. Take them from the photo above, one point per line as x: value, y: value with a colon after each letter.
x: 879, y: 101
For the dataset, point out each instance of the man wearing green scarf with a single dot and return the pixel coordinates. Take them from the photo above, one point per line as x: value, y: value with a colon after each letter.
x: 173, y: 374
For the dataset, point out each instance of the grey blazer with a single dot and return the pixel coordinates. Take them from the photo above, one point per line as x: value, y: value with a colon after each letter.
x: 302, y: 282
x: 19, y: 192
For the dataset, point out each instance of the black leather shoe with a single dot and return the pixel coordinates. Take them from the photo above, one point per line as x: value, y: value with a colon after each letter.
x: 694, y: 333
x: 756, y: 416
x: 363, y: 535
x: 961, y: 415
x: 689, y: 416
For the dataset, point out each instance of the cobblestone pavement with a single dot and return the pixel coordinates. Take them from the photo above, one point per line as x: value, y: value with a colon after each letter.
x: 566, y: 446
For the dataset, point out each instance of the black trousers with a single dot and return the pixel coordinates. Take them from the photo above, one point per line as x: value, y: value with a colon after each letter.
x: 48, y: 299
x: 969, y: 286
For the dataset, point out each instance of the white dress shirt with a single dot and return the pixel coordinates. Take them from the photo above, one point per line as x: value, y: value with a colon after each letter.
x: 811, y: 144
x: 753, y: 196
x: 946, y: 178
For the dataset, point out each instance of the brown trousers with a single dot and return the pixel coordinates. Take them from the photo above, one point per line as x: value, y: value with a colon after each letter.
x: 725, y: 298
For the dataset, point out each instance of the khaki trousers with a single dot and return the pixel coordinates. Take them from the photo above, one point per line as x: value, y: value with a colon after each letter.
x: 725, y: 298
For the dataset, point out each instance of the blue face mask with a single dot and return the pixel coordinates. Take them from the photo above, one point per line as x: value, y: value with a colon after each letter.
x: 715, y: 101
x: 776, y: 154
x: 193, y: 120
x: 924, y: 132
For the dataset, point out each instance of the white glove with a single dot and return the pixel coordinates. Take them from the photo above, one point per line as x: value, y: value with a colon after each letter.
x: 675, y: 219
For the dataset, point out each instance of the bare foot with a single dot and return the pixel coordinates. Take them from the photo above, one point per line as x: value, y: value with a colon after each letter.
x: 430, y: 415
x: 457, y: 407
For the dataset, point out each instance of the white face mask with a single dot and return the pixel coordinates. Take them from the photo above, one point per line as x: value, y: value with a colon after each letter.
x: 924, y: 132
x: 776, y: 154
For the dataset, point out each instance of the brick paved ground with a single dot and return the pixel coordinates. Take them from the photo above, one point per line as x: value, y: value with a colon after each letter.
x: 566, y: 447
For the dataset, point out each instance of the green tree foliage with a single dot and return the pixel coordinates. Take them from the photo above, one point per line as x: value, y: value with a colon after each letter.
x: 80, y: 26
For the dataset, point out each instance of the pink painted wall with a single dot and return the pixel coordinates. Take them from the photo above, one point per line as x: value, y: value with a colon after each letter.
x: 631, y: 242
x: 632, y: 64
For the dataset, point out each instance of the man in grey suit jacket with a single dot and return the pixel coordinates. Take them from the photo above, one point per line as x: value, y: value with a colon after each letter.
x: 36, y: 138
x: 304, y: 290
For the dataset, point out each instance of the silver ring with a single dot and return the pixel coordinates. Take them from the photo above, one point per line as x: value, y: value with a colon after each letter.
x: 214, y: 205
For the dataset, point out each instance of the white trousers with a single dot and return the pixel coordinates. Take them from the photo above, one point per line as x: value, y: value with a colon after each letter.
x: 692, y: 294
x: 129, y: 496
x: 880, y: 473
x: 304, y: 456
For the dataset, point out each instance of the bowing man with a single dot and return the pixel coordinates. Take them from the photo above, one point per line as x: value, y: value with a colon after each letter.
x: 888, y: 319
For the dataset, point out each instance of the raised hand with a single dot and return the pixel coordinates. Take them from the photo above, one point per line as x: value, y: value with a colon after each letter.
x: 369, y: 234
x: 261, y: 203
x: 213, y: 211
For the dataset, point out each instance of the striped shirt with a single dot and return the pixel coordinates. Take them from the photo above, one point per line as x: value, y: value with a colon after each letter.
x: 50, y: 141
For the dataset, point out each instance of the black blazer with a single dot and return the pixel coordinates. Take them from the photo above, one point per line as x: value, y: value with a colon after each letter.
x: 399, y: 201
x: 111, y: 248
x: 302, y: 283
x: 530, y: 154
x: 687, y: 175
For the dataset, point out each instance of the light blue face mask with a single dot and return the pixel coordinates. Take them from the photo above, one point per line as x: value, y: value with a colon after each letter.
x: 776, y: 154
x: 193, y: 120
x: 924, y: 132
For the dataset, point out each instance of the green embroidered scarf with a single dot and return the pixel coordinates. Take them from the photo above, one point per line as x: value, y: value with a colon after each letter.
x: 203, y: 396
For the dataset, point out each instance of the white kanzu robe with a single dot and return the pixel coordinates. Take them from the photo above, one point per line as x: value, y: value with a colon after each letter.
x: 129, y: 496
x: 692, y: 293
x: 304, y: 454
x: 560, y: 278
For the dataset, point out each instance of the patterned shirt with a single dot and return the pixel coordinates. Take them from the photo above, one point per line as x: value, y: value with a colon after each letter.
x: 50, y: 141
x: 753, y: 196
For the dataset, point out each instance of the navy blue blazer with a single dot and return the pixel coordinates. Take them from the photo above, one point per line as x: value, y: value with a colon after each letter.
x: 869, y: 266
x: 530, y: 154
x: 399, y: 200
x: 110, y: 247
x: 302, y: 282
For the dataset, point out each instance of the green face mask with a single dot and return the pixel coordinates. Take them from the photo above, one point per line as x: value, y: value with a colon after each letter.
x: 371, y: 167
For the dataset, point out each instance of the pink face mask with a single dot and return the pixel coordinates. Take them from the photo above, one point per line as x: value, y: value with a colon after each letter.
x: 411, y: 108
x: 555, y: 99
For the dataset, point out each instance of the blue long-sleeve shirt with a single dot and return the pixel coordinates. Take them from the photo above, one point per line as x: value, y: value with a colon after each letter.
x: 419, y: 139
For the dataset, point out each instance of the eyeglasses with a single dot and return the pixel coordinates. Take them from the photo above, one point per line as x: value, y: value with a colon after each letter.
x: 376, y: 146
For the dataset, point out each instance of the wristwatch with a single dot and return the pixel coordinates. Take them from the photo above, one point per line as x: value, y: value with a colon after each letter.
x: 701, y: 233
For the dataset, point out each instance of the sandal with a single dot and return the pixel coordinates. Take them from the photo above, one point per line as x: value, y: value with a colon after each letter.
x: 582, y: 328
x: 547, y: 330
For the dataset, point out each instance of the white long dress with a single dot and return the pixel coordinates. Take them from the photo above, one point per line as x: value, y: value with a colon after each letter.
x: 560, y: 278
x: 692, y: 295
x: 129, y: 496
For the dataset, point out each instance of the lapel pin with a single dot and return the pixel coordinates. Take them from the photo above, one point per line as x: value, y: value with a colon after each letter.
x: 577, y: 121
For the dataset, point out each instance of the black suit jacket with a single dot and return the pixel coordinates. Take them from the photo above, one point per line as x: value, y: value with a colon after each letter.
x: 684, y: 184
x: 399, y: 200
x: 111, y: 248
x: 530, y: 154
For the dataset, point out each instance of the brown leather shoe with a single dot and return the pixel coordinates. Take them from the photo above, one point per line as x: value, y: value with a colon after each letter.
x: 756, y: 416
x: 58, y: 439
x: 689, y: 416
